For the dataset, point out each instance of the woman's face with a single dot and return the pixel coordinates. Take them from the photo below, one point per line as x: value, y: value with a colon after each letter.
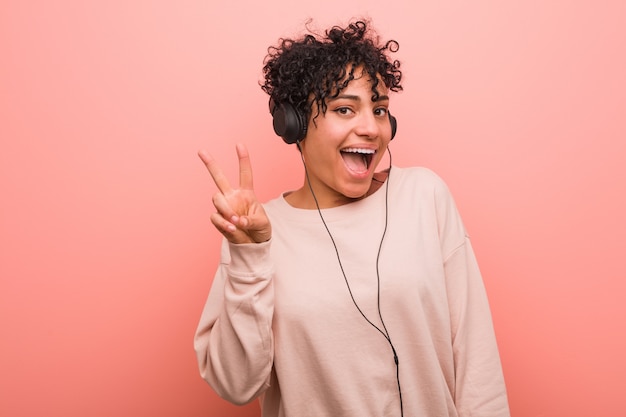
x: 343, y: 146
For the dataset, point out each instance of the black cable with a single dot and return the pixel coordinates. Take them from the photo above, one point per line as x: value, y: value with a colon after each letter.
x: 384, y: 333
x: 395, y: 355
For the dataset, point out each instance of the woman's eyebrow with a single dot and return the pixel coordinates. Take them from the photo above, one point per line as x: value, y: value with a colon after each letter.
x: 356, y: 98
x: 345, y: 97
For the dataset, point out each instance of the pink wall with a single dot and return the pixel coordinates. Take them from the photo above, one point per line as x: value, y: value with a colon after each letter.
x: 106, y: 250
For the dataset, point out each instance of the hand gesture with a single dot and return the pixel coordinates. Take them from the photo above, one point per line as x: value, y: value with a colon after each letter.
x: 239, y: 217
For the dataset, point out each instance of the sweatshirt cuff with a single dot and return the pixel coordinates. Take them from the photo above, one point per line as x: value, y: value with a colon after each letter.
x: 249, y: 260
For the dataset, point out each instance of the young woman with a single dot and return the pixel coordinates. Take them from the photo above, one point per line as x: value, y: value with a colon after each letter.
x: 357, y: 294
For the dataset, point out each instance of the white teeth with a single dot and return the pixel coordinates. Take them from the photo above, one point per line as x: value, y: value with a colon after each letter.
x: 359, y: 150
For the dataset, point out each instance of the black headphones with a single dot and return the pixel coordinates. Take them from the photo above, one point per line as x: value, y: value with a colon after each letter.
x: 291, y: 125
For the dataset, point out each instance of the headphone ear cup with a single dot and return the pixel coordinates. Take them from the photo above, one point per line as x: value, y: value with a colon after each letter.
x: 394, y: 125
x: 288, y: 122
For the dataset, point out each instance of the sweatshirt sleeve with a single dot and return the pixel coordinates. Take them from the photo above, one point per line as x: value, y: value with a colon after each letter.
x: 479, y: 387
x: 234, y: 342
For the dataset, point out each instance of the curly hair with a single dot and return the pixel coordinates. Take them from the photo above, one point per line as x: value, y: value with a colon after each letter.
x: 311, y: 69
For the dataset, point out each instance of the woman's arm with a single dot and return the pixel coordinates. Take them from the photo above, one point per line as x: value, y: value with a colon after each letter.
x: 234, y: 342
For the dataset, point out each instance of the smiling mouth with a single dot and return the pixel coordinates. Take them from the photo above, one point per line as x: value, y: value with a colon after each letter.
x: 357, y: 159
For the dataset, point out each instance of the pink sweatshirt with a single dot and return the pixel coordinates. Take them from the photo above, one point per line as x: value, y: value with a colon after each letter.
x: 279, y: 322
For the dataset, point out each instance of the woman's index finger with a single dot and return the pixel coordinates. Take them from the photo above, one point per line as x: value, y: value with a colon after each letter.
x: 216, y: 172
x: 245, y: 168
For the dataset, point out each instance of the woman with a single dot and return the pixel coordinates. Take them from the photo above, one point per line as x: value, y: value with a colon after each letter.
x: 358, y: 294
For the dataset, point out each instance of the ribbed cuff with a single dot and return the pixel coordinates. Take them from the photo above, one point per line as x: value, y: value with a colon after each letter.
x: 250, y: 260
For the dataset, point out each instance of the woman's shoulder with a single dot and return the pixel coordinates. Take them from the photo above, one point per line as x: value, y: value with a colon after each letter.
x: 419, y: 177
x: 277, y: 203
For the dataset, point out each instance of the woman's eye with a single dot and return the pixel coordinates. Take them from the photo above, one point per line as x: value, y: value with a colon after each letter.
x: 380, y: 111
x: 343, y: 110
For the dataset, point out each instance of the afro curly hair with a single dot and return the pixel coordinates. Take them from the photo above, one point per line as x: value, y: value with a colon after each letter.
x: 314, y: 68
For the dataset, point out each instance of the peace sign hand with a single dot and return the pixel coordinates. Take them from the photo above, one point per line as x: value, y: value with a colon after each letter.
x: 239, y: 217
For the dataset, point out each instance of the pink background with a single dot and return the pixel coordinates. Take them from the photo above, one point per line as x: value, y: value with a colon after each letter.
x: 106, y: 250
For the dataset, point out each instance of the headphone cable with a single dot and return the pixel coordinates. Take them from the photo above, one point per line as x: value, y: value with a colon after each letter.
x: 384, y: 333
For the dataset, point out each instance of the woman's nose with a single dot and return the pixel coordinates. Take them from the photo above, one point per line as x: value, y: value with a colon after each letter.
x: 368, y: 125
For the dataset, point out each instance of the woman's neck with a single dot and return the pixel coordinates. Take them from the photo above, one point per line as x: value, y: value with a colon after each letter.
x: 302, y: 198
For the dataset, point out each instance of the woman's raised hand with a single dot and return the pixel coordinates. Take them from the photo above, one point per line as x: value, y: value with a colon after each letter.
x: 239, y: 216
